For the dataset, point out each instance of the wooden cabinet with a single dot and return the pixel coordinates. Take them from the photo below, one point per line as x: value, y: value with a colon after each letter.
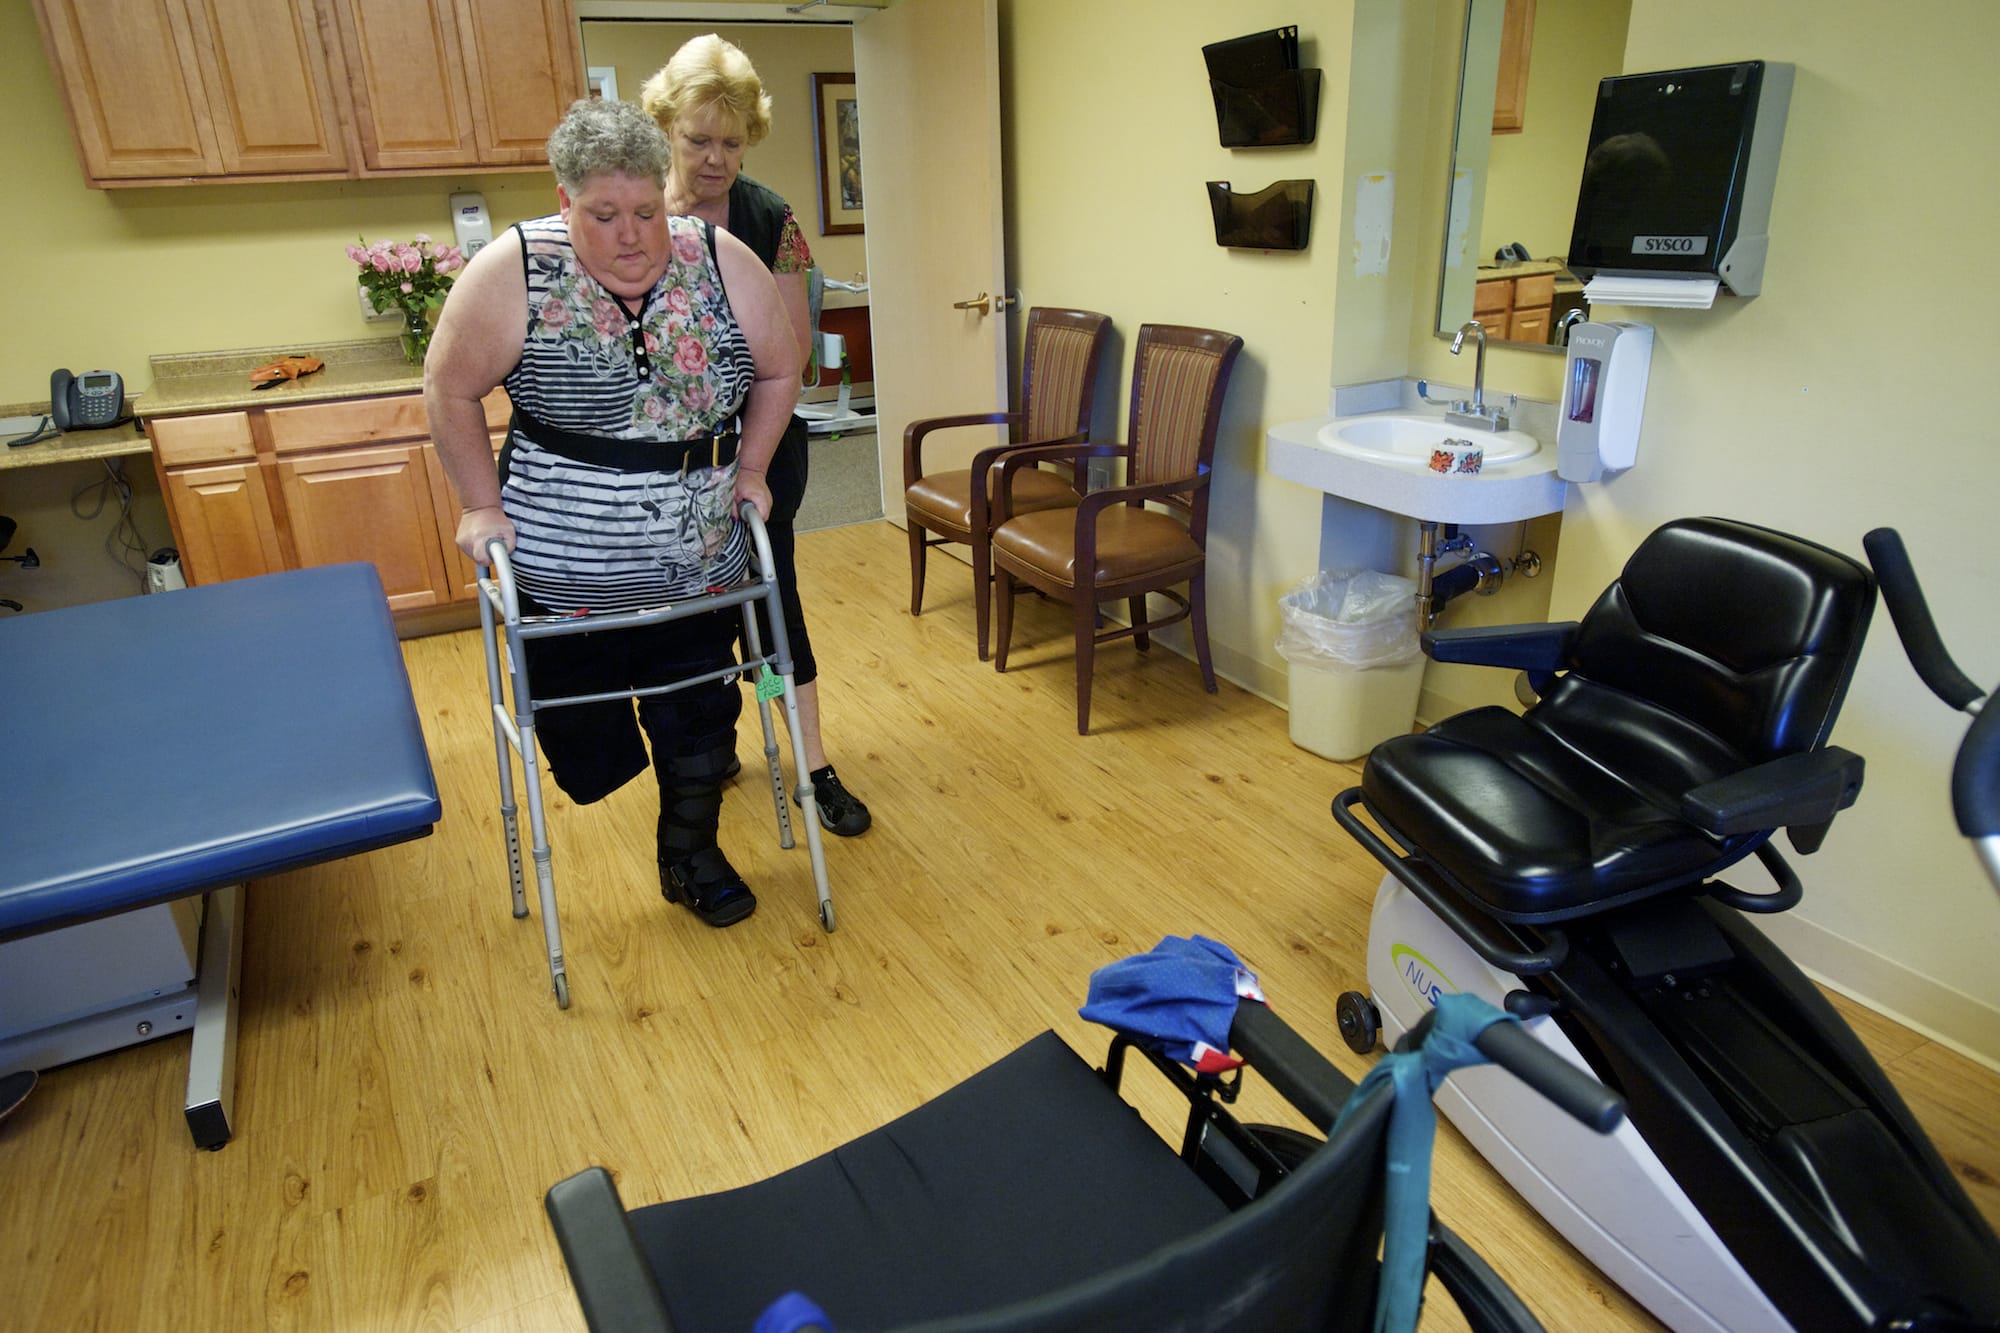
x: 450, y: 83
x: 374, y: 505
x: 315, y: 484
x: 185, y: 91
x: 222, y: 522
x: 195, y: 88
x: 1516, y: 309
x: 1510, y: 93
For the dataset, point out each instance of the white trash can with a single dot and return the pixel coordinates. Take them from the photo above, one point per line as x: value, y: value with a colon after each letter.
x: 1356, y: 665
x: 163, y: 571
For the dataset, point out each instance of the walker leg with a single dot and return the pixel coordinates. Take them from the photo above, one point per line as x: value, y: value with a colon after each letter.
x: 502, y: 743
x: 545, y: 877
x: 809, y: 800
x: 761, y: 673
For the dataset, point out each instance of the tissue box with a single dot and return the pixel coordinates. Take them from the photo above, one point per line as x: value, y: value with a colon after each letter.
x: 1457, y: 457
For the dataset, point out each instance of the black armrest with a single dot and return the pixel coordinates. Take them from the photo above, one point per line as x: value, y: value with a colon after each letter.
x: 1488, y: 1303
x: 614, y: 1284
x: 1290, y: 1064
x: 1797, y: 790
x: 1524, y: 647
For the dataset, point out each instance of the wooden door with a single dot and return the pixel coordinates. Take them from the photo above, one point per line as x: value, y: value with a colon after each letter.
x: 270, y: 88
x: 523, y: 67
x: 132, y: 82
x: 222, y: 518
x: 369, y: 504
x: 411, y: 105
x: 932, y: 190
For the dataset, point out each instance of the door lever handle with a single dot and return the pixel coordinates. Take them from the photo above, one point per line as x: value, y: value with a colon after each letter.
x: 980, y: 303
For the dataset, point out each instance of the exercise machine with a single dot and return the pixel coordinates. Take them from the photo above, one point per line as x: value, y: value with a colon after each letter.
x: 1564, y: 864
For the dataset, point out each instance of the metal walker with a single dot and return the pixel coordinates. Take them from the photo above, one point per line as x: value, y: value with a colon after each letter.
x: 770, y: 672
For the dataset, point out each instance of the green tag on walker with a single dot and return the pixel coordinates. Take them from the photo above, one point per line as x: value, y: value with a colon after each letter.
x: 769, y: 685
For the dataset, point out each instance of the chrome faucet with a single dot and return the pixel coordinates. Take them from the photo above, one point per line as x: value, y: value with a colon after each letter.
x: 1576, y: 316
x: 1475, y: 413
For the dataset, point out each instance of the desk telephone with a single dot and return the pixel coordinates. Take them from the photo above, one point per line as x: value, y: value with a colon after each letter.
x: 90, y: 401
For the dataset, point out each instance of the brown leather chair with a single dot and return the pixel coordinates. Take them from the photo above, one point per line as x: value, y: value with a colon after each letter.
x: 1111, y: 545
x: 1058, y: 383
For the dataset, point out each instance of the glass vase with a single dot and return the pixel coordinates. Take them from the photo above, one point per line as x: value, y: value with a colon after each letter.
x: 416, y: 336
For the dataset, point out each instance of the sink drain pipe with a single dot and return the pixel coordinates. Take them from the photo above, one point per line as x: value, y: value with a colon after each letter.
x: 1480, y: 572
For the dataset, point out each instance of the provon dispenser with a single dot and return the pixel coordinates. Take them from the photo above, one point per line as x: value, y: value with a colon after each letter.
x: 1604, y: 399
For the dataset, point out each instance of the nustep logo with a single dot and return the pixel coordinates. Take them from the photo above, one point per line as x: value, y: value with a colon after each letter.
x: 1420, y: 974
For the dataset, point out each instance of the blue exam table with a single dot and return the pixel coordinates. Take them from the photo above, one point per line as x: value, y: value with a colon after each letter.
x: 162, y: 750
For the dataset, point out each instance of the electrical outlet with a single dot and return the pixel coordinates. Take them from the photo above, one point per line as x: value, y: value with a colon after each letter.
x: 369, y: 313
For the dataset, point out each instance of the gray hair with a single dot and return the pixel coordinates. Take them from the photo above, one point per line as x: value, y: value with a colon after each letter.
x: 602, y: 135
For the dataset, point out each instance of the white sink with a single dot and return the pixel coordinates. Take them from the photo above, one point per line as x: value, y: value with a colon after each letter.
x: 1393, y: 437
x: 1380, y: 459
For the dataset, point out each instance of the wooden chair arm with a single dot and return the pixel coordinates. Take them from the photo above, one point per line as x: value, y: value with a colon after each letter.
x: 1098, y: 501
x: 1013, y: 460
x: 986, y: 460
x: 916, y: 431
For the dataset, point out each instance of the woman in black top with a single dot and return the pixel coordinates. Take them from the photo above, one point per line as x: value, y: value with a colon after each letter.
x: 708, y: 99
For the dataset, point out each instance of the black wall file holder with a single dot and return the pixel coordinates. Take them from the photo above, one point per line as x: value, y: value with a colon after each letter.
x: 1262, y: 98
x: 1277, y: 217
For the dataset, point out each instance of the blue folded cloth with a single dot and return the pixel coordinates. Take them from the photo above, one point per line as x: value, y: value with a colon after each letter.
x: 1179, y: 999
x: 793, y: 1313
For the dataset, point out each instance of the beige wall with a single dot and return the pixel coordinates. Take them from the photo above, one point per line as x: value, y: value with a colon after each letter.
x: 1533, y: 175
x: 1848, y: 395
x: 1109, y: 134
x: 786, y: 57
x: 106, y: 278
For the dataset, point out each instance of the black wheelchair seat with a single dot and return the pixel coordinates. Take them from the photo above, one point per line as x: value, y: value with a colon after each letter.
x: 953, y: 1206
x: 1666, y: 744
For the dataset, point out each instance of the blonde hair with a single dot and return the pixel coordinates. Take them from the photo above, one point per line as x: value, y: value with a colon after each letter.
x: 705, y: 72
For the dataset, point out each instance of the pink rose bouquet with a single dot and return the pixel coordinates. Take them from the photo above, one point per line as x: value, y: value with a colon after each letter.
x: 410, y: 276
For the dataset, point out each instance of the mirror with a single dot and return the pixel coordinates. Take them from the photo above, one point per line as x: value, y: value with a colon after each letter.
x: 1517, y: 186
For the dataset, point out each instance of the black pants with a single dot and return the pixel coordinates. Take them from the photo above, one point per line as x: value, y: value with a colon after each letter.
x: 594, y: 749
x: 787, y: 478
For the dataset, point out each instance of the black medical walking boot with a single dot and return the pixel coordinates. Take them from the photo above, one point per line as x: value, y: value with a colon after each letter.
x: 693, y: 869
x: 840, y: 811
x: 709, y: 885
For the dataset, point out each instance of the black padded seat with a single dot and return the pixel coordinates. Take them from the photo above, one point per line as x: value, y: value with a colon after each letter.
x: 1031, y: 1181
x: 1721, y: 646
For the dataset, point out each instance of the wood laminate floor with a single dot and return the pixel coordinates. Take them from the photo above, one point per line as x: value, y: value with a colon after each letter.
x: 407, y: 1087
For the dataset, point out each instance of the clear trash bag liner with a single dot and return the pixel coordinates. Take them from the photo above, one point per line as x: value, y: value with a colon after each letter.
x: 1350, y: 618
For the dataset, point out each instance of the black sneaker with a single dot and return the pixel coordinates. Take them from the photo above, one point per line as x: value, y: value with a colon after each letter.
x: 839, y: 811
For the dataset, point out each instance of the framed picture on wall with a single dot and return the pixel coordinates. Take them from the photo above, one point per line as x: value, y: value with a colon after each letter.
x: 837, y: 147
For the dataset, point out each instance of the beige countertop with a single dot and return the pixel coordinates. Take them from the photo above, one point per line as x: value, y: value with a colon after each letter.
x: 1526, y: 268
x: 71, y: 446
x: 220, y: 381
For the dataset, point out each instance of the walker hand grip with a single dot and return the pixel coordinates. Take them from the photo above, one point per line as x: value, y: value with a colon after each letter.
x: 1912, y: 616
x: 1580, y: 1096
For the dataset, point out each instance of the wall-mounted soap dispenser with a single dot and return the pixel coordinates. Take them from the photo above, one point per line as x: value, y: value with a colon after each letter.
x: 1604, y: 399
x: 471, y: 227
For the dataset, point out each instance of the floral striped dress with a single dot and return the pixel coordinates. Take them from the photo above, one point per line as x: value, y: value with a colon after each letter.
x: 620, y: 538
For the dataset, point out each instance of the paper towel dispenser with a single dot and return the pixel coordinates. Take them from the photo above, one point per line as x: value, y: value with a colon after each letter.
x: 1678, y: 179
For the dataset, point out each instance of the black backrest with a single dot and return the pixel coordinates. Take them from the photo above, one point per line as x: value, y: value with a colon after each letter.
x: 1302, y: 1256
x: 1751, y: 635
